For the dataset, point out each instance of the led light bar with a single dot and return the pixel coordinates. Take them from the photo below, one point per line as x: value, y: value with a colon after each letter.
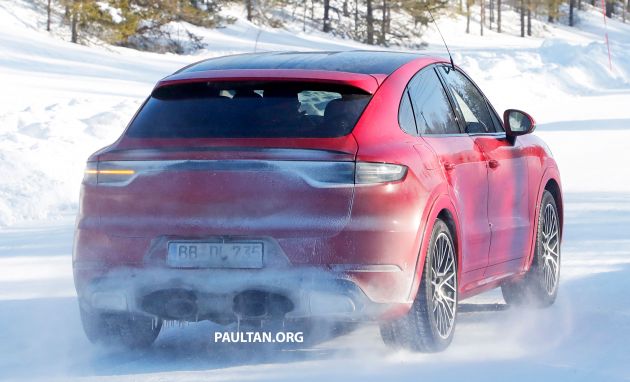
x: 108, y: 174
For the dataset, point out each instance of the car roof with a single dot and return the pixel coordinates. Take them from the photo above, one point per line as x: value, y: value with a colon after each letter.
x: 355, y: 61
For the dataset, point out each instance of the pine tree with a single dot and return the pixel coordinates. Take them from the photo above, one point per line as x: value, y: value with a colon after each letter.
x: 419, y: 10
x: 85, y: 16
x: 553, y: 10
x: 610, y: 8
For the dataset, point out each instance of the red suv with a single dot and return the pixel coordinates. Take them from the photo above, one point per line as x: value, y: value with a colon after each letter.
x: 350, y: 186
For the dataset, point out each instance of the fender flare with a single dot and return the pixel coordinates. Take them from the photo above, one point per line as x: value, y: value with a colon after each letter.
x: 550, y: 173
x: 441, y: 202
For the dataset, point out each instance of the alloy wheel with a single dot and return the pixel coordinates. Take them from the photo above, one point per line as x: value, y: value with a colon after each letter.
x: 550, y: 249
x: 444, y: 284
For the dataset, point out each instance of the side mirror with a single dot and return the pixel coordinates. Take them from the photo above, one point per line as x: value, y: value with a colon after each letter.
x: 518, y: 122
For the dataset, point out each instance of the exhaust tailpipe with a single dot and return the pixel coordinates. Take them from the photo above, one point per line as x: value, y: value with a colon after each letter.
x: 255, y: 304
x: 172, y: 304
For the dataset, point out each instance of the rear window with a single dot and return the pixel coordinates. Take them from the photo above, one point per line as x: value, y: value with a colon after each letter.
x: 249, y: 110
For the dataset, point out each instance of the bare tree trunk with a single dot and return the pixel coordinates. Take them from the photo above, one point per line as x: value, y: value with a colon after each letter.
x: 48, y: 15
x: 522, y: 18
x: 356, y: 18
x: 482, y: 15
x: 369, y: 18
x: 551, y: 11
x: 304, y: 17
x: 499, y: 16
x: 388, y: 24
x: 326, y: 27
x: 383, y: 36
x: 529, y: 18
x: 74, y: 21
x: 346, y: 12
x: 491, y: 13
x: 294, y: 10
x: 250, y: 9
x: 468, y: 16
x: 571, y: 6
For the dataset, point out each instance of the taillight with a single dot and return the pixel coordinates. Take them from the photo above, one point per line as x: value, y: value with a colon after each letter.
x: 107, y: 173
x: 374, y: 173
x: 317, y: 174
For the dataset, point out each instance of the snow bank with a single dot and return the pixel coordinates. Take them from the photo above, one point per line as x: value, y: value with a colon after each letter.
x: 43, y: 151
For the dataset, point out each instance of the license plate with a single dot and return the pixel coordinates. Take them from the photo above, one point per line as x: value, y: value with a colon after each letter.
x: 186, y: 254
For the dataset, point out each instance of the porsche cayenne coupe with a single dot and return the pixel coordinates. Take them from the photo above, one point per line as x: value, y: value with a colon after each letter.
x: 346, y: 186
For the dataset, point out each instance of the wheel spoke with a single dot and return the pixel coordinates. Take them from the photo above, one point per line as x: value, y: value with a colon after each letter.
x: 448, y: 310
x: 447, y: 278
x: 450, y: 286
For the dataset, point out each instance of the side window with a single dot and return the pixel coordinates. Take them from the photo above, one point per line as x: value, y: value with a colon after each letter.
x: 406, y: 119
x: 470, y: 101
x: 431, y: 107
x: 498, y: 124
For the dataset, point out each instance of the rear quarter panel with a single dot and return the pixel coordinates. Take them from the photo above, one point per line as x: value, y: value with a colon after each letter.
x: 410, y: 207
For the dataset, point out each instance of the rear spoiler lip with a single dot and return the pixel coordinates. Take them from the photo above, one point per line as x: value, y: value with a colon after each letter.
x: 178, y: 149
x: 366, y: 82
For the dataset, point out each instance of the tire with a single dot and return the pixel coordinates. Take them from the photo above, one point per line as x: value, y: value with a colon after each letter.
x: 539, y: 286
x: 120, y: 329
x: 430, y: 323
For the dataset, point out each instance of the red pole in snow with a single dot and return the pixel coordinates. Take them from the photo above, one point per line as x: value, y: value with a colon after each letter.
x: 606, y: 34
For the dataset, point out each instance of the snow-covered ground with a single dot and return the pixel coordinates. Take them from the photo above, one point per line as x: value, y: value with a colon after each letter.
x: 61, y: 102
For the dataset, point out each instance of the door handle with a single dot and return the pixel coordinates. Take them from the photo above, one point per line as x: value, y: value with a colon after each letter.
x: 449, y: 166
x: 493, y: 163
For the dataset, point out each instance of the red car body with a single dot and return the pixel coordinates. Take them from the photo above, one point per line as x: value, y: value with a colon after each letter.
x: 348, y: 251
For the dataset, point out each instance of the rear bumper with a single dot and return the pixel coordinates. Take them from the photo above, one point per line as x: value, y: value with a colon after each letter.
x: 364, y: 268
x: 217, y: 294
x: 380, y: 263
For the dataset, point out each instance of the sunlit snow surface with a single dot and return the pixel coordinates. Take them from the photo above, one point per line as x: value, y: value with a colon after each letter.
x: 60, y: 102
x: 583, y: 337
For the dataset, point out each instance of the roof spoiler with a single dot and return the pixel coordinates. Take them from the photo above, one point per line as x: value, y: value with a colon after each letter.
x: 365, y: 82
